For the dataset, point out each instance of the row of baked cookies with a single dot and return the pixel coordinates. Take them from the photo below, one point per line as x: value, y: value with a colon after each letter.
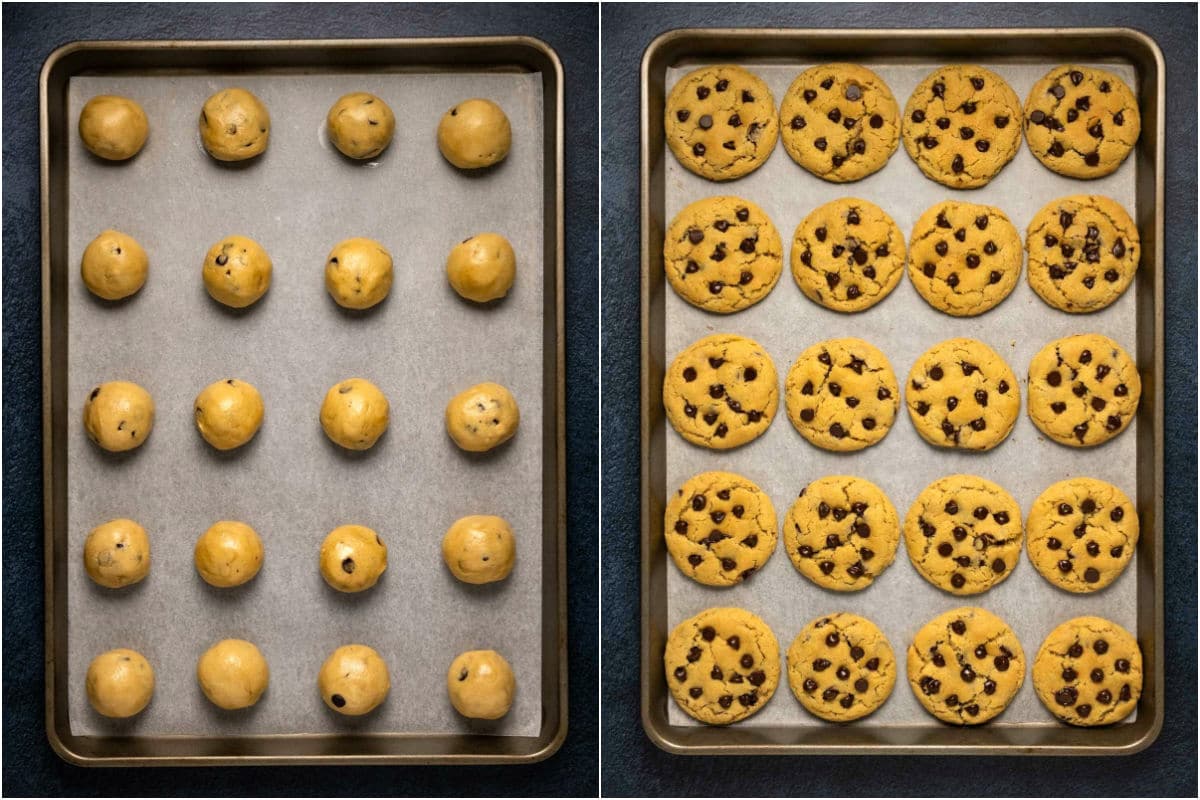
x: 723, y: 254
x: 961, y: 125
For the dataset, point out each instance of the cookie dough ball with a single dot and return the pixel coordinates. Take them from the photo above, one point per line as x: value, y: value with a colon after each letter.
x: 113, y: 127
x: 361, y: 125
x: 237, y: 271
x: 114, y: 265
x: 354, y: 680
x: 352, y: 558
x: 117, y: 553
x: 118, y: 416
x: 228, y: 413
x: 475, y: 133
x: 358, y: 273
x: 479, y: 549
x: 233, y: 674
x: 482, y: 417
x: 120, y: 683
x: 482, y: 268
x: 234, y: 125
x: 481, y: 684
x: 354, y: 414
x: 228, y: 554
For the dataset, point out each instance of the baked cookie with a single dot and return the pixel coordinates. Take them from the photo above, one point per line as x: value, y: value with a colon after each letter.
x: 354, y: 680
x: 721, y: 391
x: 964, y: 258
x: 961, y: 125
x: 841, y: 533
x: 117, y: 553
x: 842, y: 395
x: 720, y: 528
x: 962, y: 394
x: 475, y: 133
x: 118, y: 416
x: 114, y: 265
x: 1088, y: 672
x: 360, y: 125
x: 1083, y: 252
x: 1081, y: 534
x: 482, y: 268
x: 113, y: 127
x: 722, y: 665
x: 234, y: 125
x: 720, y: 122
x: 1081, y: 121
x: 965, y: 666
x: 841, y: 667
x: 120, y: 683
x: 1083, y: 389
x: 963, y: 534
x: 847, y: 255
x: 722, y: 254
x: 481, y: 684
x: 233, y: 674
x: 839, y: 121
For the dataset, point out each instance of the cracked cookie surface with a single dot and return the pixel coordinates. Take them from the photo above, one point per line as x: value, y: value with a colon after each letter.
x: 841, y: 667
x: 839, y: 121
x: 1088, y: 672
x: 720, y: 122
x: 962, y: 394
x: 962, y: 125
x: 1083, y: 390
x: 964, y: 258
x: 842, y: 394
x: 720, y: 528
x: 1081, y: 121
x: 722, y: 665
x: 842, y: 532
x: 1081, y: 534
x: 722, y: 254
x: 965, y: 666
x: 847, y: 255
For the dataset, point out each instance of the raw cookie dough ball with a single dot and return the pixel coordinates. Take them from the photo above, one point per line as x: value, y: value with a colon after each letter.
x: 228, y: 413
x: 361, y: 125
x: 237, y: 271
x: 228, y: 554
x: 479, y: 549
x: 354, y: 414
x: 234, y: 125
x: 113, y: 127
x: 482, y: 268
x: 233, y: 674
x: 114, y: 265
x: 481, y: 684
x: 120, y: 683
x: 358, y: 273
x: 352, y: 558
x: 353, y: 680
x: 117, y: 553
x: 118, y: 416
x: 482, y: 417
x: 475, y: 133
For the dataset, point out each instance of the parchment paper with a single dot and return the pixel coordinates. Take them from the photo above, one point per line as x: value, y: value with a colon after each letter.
x: 420, y: 346
x: 903, y: 326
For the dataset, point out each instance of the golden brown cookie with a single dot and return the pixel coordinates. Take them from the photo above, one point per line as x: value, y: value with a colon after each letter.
x: 1088, y: 672
x: 1081, y: 534
x: 720, y: 122
x: 847, y: 255
x: 841, y: 533
x: 1081, y: 121
x: 1083, y: 390
x: 961, y: 394
x: 841, y: 667
x: 842, y: 395
x: 720, y: 528
x: 964, y: 258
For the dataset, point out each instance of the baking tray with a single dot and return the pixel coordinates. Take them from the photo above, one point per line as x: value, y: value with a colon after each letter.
x: 287, y: 609
x: 903, y: 57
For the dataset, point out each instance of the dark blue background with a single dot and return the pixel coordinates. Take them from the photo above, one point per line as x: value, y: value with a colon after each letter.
x: 30, y: 34
x: 632, y: 764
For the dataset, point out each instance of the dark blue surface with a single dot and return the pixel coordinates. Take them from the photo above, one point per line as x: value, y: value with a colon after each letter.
x: 632, y: 764
x: 30, y: 34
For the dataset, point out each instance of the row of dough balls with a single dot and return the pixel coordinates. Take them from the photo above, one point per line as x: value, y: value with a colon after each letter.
x: 235, y: 126
x: 358, y: 271
x: 119, y: 415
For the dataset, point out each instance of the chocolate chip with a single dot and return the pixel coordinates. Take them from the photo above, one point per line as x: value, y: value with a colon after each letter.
x: 702, y: 92
x: 843, y: 673
x: 957, y: 581
x: 747, y: 97
x: 1075, y: 650
x: 929, y: 269
x: 1058, y: 91
x: 348, y: 565
x: 826, y: 567
x: 705, y: 121
x: 1001, y: 663
x: 820, y: 144
x: 1036, y: 117
x: 1119, y: 118
x: 918, y: 116
x: 725, y: 700
x: 698, y: 149
x: 1121, y: 665
x: 821, y: 664
x: 695, y: 692
x: 957, y: 165
x: 852, y: 217
x: 834, y: 115
x: 966, y: 133
x: 939, y: 89
x: 337, y: 700
x: 810, y: 95
x: 1101, y: 647
x: 929, y: 142
x: 1056, y: 150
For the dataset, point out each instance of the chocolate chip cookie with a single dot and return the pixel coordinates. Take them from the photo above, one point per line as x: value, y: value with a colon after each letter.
x: 1083, y: 252
x: 1088, y: 672
x: 964, y: 258
x: 719, y: 528
x: 722, y: 254
x: 962, y: 125
x: 841, y: 667
x: 839, y: 121
x: 847, y: 255
x: 962, y: 394
x: 1081, y: 534
x: 721, y: 122
x: 722, y: 665
x: 965, y: 666
x: 721, y: 391
x: 1081, y: 121
x: 841, y: 533
x: 1083, y: 390
x: 842, y: 394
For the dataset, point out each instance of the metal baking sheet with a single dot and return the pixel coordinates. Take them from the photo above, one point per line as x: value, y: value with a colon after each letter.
x: 902, y: 326
x: 422, y: 345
